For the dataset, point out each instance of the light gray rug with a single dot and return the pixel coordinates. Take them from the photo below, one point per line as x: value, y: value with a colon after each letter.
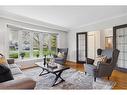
x: 73, y: 80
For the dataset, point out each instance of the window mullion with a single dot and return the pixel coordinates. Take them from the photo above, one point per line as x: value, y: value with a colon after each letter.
x: 20, y: 43
x: 41, y: 43
x: 31, y: 45
x: 49, y: 42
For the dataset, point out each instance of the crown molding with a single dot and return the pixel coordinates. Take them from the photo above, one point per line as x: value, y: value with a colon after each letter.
x: 80, y: 28
x: 15, y: 17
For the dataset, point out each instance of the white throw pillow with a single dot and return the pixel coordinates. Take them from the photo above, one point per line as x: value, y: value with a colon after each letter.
x: 61, y: 55
x: 101, y: 59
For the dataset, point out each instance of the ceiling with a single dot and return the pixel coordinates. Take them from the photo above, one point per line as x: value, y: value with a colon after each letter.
x: 67, y: 16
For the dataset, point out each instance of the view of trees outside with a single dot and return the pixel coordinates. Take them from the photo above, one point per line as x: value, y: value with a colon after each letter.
x: 13, y: 44
x: 49, y: 44
x: 45, y: 44
x: 22, y: 44
x: 25, y: 43
x: 53, y: 40
x: 36, y: 45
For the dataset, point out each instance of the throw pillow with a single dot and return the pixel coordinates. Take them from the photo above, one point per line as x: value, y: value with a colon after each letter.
x: 3, y: 60
x: 101, y: 59
x: 5, y: 73
x: 61, y: 55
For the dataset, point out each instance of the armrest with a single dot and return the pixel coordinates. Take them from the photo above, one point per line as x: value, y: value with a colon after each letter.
x: 104, y: 67
x: 24, y: 83
x: 89, y: 61
x: 11, y: 61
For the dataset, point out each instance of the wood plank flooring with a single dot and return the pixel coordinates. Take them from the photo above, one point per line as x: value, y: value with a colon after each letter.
x: 119, y: 77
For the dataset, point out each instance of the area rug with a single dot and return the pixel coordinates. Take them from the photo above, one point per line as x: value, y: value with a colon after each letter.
x: 73, y: 80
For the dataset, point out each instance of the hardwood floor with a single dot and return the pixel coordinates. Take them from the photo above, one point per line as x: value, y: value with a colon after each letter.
x: 119, y: 77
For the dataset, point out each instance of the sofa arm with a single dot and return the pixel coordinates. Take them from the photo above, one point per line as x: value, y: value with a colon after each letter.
x: 24, y: 83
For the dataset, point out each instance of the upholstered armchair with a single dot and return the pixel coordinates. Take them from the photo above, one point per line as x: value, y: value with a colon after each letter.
x: 102, y: 69
x: 59, y: 59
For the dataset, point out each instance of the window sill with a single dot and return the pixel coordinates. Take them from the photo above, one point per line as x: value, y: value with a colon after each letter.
x: 27, y: 63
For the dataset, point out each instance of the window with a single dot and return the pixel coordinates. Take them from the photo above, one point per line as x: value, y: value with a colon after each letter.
x: 46, y: 46
x: 25, y: 44
x: 31, y: 43
x: 13, y: 43
x: 36, y: 45
x: 53, y: 39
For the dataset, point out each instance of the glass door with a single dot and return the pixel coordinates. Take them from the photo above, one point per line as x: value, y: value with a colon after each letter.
x: 81, y: 47
x: 120, y: 43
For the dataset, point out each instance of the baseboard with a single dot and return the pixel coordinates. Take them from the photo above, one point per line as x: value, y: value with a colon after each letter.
x: 71, y: 61
x: 121, y: 69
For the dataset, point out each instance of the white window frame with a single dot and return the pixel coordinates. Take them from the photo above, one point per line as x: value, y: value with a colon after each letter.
x: 41, y: 39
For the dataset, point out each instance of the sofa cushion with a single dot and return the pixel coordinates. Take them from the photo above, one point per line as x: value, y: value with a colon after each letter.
x: 5, y: 73
x: 19, y: 76
x: 13, y: 66
x: 16, y: 71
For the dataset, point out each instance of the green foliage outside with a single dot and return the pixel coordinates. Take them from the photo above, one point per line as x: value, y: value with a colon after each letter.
x: 36, y: 52
x: 13, y: 55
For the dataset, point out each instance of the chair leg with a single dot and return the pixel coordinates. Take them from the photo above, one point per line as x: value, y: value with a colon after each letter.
x: 108, y: 78
x: 94, y: 79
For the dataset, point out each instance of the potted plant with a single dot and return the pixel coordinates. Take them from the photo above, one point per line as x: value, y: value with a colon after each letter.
x: 37, y: 55
x: 22, y: 54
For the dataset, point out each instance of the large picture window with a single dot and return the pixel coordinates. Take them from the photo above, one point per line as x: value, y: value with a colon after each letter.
x: 31, y: 43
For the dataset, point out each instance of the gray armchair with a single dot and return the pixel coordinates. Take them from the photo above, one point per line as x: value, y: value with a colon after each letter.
x: 61, y: 60
x: 102, y: 69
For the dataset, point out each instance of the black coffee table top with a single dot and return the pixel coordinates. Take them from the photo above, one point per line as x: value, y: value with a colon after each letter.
x: 52, y: 70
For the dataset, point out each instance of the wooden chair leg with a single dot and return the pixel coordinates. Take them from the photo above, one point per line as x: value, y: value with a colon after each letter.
x: 108, y: 78
x: 94, y: 79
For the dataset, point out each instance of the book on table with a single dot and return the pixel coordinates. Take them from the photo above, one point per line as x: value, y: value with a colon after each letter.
x: 52, y: 66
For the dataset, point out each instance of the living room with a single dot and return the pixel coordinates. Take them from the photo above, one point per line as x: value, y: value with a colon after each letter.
x: 36, y: 38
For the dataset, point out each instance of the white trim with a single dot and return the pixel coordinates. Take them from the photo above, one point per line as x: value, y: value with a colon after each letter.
x: 99, y: 21
x: 28, y: 29
x: 15, y: 17
x: 41, y: 39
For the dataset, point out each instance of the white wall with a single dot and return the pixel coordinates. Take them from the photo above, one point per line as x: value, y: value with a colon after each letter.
x: 4, y: 33
x: 2, y: 37
x: 72, y: 46
x: 99, y: 26
x: 91, y: 46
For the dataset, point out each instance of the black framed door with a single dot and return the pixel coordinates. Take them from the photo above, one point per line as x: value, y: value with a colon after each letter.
x: 120, y: 43
x: 81, y: 39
